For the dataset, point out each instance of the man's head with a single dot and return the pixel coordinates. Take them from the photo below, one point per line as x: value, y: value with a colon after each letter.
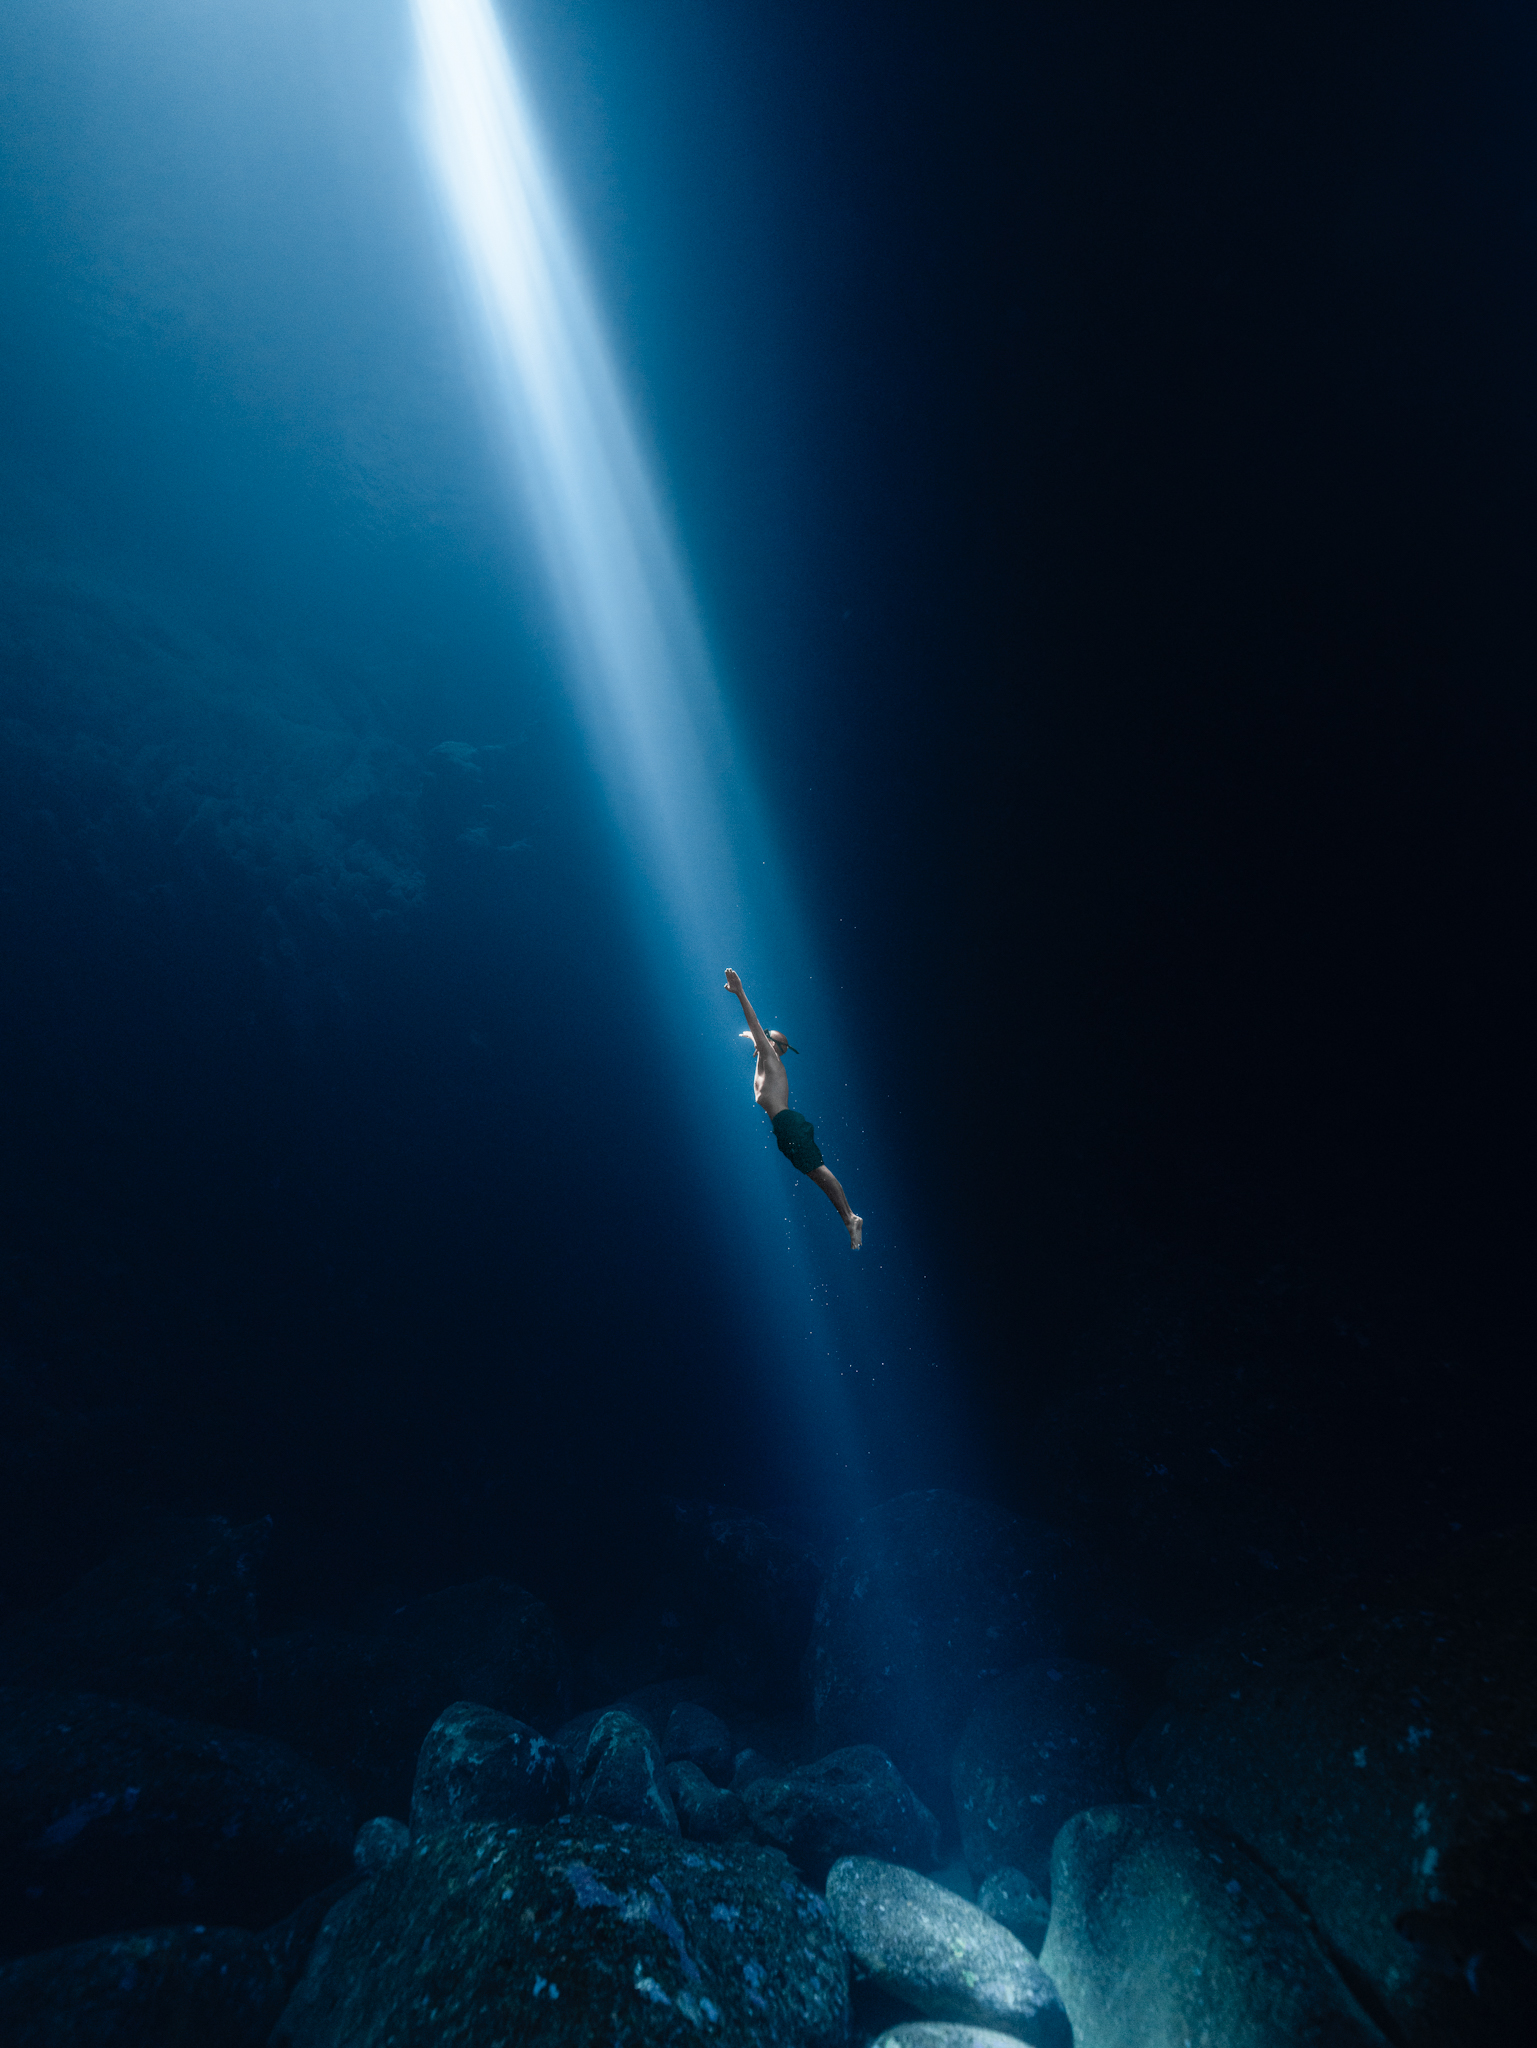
x: 776, y: 1039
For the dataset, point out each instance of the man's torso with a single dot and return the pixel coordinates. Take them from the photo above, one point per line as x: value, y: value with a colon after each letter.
x: 771, y: 1084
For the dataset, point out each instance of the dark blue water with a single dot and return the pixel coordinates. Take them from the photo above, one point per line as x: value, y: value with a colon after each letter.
x: 1100, y: 443
x: 337, y: 1106
x: 391, y: 1067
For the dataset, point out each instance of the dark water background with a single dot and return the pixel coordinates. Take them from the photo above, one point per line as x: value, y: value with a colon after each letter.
x: 1103, y: 442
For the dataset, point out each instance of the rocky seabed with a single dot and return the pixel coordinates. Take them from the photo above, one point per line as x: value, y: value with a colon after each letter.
x: 898, y: 1801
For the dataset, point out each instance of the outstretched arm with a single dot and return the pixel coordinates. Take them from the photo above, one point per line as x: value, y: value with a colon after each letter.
x: 759, y: 1035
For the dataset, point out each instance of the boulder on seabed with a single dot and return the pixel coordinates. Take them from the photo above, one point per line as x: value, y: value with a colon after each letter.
x: 696, y: 1736
x: 852, y: 1803
x: 747, y: 1766
x: 115, y: 1817
x: 941, y: 2034
x: 925, y: 1945
x: 1381, y: 1760
x: 621, y: 1776
x: 1043, y: 1742
x: 171, y: 1624
x: 654, y: 1703
x: 570, y: 1738
x: 1018, y: 1903
x: 706, y: 1812
x: 361, y: 1704
x: 477, y: 1764
x: 569, y: 1934
x: 931, y: 1596
x: 379, y: 1844
x: 168, y: 1987
x: 1164, y: 1929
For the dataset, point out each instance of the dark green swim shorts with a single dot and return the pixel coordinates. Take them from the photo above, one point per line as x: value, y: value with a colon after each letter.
x: 796, y: 1139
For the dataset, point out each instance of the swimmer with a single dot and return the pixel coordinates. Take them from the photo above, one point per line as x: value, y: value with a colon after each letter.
x: 795, y: 1138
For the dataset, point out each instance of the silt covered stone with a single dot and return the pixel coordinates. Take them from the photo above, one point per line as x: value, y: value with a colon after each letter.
x: 166, y: 1987
x: 942, y: 2034
x: 696, y: 1736
x: 852, y: 1803
x: 621, y: 1775
x: 941, y: 1955
x: 1164, y: 1930
x: 706, y: 1812
x: 477, y: 1764
x: 1017, y: 1902
x: 572, y: 1934
x: 1381, y: 1760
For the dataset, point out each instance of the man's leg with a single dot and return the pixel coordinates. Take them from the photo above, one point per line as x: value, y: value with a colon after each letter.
x: 829, y: 1183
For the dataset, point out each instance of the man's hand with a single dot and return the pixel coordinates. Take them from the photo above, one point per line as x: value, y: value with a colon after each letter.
x: 755, y: 1030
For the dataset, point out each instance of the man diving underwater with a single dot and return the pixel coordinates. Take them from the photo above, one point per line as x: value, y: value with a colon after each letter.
x: 795, y: 1138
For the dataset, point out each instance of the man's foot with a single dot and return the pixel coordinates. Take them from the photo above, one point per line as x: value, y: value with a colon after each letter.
x: 855, y: 1227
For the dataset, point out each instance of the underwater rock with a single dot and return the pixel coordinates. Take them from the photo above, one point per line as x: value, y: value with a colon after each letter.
x: 362, y: 1705
x: 169, y: 1987
x: 379, y: 1844
x: 696, y: 1736
x: 705, y: 1812
x: 476, y: 1764
x: 1163, y: 1929
x: 621, y: 1774
x: 932, y: 1596
x: 570, y: 1934
x: 941, y: 2034
x: 1043, y: 1742
x: 113, y: 1816
x: 570, y: 1738
x: 1381, y: 1761
x: 747, y: 1766
x: 1018, y: 1903
x: 171, y: 1624
x: 655, y: 1703
x: 948, y: 1959
x: 852, y: 1803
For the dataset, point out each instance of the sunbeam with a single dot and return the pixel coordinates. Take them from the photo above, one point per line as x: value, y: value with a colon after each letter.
x: 691, y: 825
x: 637, y: 660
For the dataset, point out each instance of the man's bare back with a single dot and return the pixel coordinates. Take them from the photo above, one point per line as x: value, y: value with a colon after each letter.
x: 795, y: 1137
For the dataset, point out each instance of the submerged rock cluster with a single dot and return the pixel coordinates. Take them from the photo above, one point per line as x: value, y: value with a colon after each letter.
x: 898, y: 1801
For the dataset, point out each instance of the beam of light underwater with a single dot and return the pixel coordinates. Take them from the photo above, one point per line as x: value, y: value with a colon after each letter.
x: 635, y: 653
x: 634, y: 649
